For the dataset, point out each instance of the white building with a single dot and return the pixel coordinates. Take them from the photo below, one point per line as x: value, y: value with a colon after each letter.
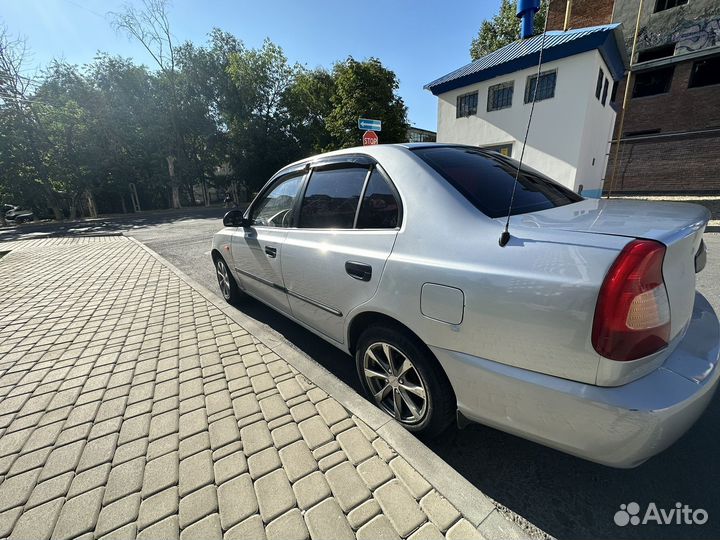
x: 487, y: 103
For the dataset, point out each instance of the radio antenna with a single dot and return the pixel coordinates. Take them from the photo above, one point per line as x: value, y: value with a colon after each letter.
x: 505, y: 236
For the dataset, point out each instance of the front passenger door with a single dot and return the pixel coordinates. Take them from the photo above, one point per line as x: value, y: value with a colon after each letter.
x: 257, y: 249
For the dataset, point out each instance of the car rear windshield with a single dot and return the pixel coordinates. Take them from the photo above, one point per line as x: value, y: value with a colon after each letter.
x: 486, y: 180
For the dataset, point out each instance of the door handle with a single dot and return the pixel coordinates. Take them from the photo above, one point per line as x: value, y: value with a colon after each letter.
x: 271, y: 251
x: 360, y: 271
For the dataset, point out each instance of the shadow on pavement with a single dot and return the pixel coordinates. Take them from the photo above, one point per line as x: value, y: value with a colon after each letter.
x: 334, y: 360
x: 108, y: 225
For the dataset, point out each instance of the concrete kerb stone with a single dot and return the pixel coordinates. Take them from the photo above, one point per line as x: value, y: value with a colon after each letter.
x: 473, y: 504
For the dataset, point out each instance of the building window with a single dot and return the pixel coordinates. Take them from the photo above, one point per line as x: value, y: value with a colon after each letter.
x: 655, y: 53
x: 705, y: 72
x: 613, y: 94
x: 466, y: 105
x: 500, y: 96
x: 598, y: 85
x: 546, y: 88
x: 662, y: 5
x: 653, y: 82
x: 504, y: 149
x: 604, y: 94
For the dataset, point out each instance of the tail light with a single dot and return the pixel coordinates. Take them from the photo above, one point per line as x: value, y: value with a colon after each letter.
x: 632, y: 315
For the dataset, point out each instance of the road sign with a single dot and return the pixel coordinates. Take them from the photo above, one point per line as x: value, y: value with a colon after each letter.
x: 369, y: 125
x: 369, y: 138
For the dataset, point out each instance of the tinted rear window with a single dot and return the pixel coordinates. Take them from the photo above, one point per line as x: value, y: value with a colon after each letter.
x: 486, y: 180
x: 379, y: 208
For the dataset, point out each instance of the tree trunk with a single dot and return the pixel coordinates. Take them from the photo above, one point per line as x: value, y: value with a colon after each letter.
x: 174, y: 188
x: 53, y: 205
x: 122, y: 200
x: 92, y: 209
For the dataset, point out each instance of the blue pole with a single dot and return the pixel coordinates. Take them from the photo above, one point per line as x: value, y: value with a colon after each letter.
x: 526, y: 12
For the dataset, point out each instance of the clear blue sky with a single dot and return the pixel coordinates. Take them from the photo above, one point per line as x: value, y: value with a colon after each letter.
x: 419, y: 39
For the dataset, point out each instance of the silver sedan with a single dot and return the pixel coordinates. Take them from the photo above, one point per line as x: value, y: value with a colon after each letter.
x: 582, y: 331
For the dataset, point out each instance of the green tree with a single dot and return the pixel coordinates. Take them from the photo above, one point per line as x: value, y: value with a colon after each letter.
x: 24, y: 141
x: 259, y: 130
x: 309, y: 102
x: 74, y: 139
x: 131, y: 134
x: 503, y: 29
x: 150, y: 26
x: 70, y: 127
x: 198, y: 119
x: 365, y: 89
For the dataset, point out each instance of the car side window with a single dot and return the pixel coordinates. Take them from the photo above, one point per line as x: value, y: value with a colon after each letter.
x: 276, y: 208
x: 331, y: 198
x: 379, y: 208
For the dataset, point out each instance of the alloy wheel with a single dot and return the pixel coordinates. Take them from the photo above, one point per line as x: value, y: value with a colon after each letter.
x: 223, y: 277
x: 395, y: 383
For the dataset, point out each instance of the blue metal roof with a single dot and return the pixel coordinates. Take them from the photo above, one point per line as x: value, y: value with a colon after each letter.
x: 522, y: 54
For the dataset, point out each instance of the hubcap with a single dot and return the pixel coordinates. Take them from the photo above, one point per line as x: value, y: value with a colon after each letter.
x: 223, y: 278
x: 394, y: 383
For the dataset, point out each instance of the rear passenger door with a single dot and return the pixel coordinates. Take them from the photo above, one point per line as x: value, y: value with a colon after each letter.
x: 332, y: 261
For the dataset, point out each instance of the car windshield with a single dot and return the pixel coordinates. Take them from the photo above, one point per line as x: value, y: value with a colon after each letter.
x: 486, y: 179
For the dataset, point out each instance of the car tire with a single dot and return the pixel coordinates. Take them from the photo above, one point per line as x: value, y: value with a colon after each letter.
x: 401, y: 386
x: 226, y: 281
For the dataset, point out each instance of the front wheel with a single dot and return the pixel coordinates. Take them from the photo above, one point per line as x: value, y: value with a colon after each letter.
x: 403, y: 379
x: 228, y: 287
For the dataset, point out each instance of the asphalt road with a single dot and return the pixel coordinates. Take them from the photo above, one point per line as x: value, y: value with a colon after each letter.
x: 565, y: 496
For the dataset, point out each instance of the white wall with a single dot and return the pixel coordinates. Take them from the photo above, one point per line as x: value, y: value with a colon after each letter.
x: 595, y: 146
x: 567, y: 131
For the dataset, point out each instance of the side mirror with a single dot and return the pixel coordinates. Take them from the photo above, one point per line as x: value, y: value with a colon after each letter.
x: 234, y: 218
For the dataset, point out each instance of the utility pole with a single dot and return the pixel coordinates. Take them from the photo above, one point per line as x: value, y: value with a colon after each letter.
x: 626, y: 97
x: 568, y: 9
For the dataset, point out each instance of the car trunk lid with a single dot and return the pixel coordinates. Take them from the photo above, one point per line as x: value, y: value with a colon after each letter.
x: 677, y: 225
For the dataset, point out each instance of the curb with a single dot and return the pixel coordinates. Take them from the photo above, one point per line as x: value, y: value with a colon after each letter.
x: 475, y: 506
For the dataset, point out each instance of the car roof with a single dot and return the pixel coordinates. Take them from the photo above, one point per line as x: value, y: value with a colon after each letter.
x: 366, y: 150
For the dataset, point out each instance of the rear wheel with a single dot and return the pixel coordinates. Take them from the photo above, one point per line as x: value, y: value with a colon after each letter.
x: 404, y: 380
x: 228, y: 286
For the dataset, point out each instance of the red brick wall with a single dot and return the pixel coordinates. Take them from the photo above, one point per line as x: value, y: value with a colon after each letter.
x: 672, y: 164
x: 689, y: 162
x: 584, y: 13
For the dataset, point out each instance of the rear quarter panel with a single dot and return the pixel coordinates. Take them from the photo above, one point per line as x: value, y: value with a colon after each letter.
x: 529, y: 305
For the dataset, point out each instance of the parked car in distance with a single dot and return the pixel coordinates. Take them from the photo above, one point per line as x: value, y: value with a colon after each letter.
x: 584, y: 332
x: 18, y: 215
x: 25, y: 216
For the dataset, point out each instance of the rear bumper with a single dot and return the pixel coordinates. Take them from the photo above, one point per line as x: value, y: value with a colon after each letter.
x: 619, y: 426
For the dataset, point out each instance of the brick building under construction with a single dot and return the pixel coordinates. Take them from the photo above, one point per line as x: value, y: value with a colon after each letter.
x: 670, y: 140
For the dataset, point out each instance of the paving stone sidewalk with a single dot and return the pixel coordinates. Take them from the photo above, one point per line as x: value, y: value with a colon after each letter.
x: 132, y: 406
